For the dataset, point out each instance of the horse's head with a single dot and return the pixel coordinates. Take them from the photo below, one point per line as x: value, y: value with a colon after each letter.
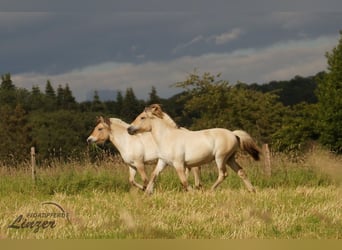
x: 101, y: 132
x: 141, y: 124
x: 143, y: 121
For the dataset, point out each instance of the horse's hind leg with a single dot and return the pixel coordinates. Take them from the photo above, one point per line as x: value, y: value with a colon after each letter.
x: 197, y: 171
x: 141, y: 170
x: 222, y: 172
x: 241, y: 173
x: 181, y: 174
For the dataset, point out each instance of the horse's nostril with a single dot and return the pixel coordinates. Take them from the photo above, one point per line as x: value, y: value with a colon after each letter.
x: 131, y: 130
x: 90, y: 140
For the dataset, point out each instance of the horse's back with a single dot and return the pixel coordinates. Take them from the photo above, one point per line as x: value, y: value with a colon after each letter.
x: 224, y: 139
x: 204, y: 145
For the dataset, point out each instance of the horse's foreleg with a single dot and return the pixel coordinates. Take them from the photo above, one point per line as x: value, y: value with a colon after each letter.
x: 241, y: 173
x: 222, y: 172
x: 132, y: 172
x: 160, y: 166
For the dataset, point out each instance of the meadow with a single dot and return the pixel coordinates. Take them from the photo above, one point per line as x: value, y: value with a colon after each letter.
x: 300, y: 200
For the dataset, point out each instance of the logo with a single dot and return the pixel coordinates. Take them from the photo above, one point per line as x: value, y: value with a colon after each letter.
x: 38, y: 221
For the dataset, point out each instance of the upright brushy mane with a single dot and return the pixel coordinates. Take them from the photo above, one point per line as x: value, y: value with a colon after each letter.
x: 119, y: 121
x: 102, y: 119
x: 158, y: 112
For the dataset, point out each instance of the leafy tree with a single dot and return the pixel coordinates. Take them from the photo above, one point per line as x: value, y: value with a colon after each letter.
x: 205, y: 99
x: 258, y: 113
x: 214, y: 103
x: 329, y: 93
x: 298, y: 128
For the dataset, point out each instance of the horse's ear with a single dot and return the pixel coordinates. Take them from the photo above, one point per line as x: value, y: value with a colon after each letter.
x: 99, y: 119
x: 107, y: 121
x: 156, y: 110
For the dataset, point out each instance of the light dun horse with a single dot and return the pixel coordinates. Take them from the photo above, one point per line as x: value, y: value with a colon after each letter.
x: 184, y: 149
x: 134, y: 150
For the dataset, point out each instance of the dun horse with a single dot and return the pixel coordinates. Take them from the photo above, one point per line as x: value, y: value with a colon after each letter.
x: 185, y: 149
x: 134, y: 150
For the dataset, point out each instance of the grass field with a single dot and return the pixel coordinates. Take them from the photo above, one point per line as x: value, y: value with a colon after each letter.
x: 300, y: 200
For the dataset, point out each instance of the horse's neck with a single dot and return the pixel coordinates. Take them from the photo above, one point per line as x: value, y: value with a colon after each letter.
x: 119, y: 136
x: 161, y: 129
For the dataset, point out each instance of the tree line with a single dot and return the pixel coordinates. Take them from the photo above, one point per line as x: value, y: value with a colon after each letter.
x: 288, y: 115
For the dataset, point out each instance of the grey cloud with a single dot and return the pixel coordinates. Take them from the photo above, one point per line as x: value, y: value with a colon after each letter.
x: 282, y: 61
x: 71, y: 41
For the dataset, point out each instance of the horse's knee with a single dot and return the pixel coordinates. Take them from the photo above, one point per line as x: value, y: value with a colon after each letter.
x: 131, y: 181
x: 242, y: 174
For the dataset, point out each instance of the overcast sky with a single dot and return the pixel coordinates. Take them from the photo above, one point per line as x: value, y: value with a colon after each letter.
x: 113, y: 45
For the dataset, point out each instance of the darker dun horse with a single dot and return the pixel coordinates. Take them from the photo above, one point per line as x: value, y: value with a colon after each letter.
x: 185, y: 149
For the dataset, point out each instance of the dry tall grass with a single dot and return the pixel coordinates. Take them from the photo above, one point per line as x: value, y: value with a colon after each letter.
x: 301, y: 200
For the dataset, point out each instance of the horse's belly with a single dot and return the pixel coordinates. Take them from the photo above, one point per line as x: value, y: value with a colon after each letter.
x: 196, y: 160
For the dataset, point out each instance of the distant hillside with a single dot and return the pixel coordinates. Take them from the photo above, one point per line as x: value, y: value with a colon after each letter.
x: 299, y: 89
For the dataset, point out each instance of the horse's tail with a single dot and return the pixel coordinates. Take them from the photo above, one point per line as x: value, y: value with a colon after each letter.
x: 247, y: 143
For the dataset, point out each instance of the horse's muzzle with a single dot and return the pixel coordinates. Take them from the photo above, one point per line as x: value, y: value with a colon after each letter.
x: 131, y: 130
x: 90, y: 140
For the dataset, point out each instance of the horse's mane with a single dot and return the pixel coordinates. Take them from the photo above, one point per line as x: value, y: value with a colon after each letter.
x: 169, y: 120
x: 157, y: 111
x: 119, y: 121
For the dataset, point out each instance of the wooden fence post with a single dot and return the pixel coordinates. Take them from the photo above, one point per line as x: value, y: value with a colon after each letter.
x: 267, y: 160
x: 33, y: 164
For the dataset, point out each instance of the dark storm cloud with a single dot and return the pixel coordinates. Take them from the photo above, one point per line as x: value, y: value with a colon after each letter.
x: 61, y: 39
x: 55, y: 42
x: 175, y: 5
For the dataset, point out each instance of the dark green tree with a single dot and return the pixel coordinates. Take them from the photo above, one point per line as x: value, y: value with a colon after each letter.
x: 7, y: 91
x: 36, y: 99
x: 6, y: 82
x: 97, y: 105
x: 60, y: 134
x: 50, y: 97
x: 329, y: 93
x: 153, y: 97
x: 118, y: 104
x: 14, y: 134
x: 131, y: 107
x: 65, y: 99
